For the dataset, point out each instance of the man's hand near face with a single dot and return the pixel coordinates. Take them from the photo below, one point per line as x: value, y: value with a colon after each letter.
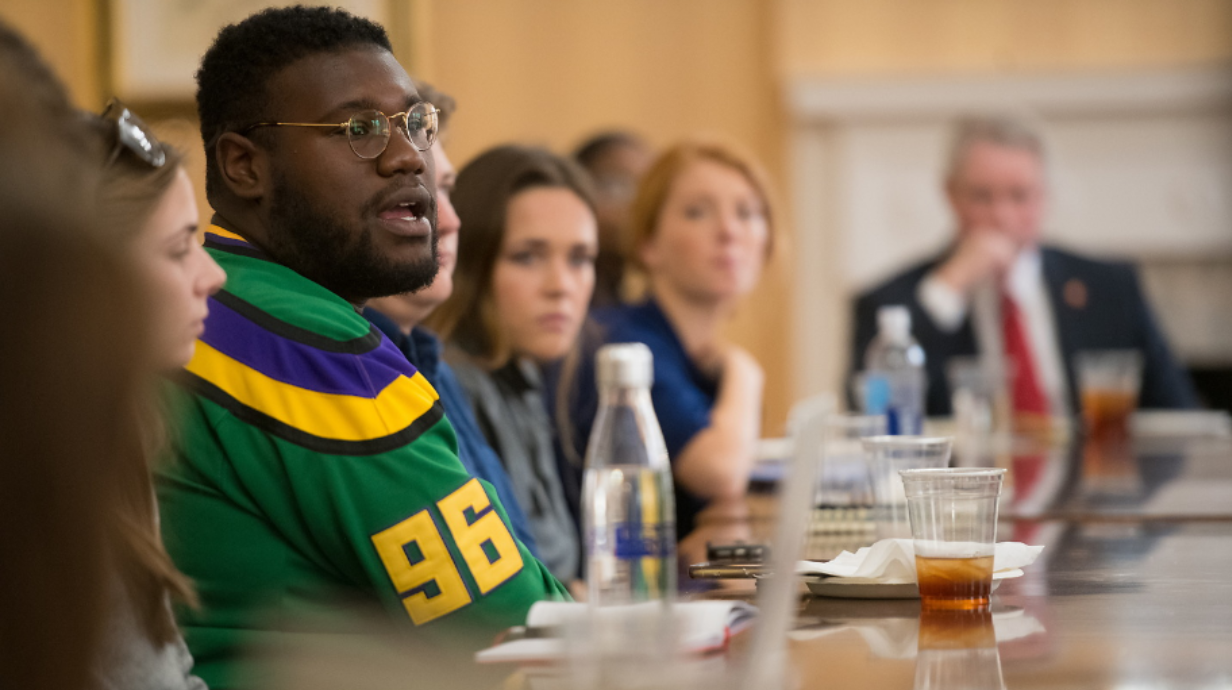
x: 981, y: 255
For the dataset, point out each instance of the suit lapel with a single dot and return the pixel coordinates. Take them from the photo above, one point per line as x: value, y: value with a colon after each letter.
x: 1067, y: 311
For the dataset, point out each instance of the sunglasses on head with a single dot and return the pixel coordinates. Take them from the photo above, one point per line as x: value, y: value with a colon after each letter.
x: 132, y: 134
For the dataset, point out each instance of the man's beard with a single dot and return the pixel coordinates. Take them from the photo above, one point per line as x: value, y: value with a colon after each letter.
x: 323, y: 250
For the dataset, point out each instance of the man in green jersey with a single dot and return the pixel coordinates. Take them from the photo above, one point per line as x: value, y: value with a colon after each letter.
x: 314, y: 466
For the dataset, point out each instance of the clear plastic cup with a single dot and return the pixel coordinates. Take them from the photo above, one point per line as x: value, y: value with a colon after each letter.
x: 981, y: 408
x: 953, y: 515
x: 1108, y: 384
x: 886, y: 457
x: 843, y: 479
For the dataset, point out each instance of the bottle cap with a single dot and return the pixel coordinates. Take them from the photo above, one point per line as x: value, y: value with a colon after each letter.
x: 895, y: 322
x: 626, y: 365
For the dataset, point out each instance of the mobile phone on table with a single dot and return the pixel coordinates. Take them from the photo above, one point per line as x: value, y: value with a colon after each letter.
x: 732, y: 561
x: 728, y: 571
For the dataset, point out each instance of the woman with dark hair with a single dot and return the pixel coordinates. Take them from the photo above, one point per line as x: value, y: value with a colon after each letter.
x: 146, y: 209
x: 700, y: 231
x: 524, y: 276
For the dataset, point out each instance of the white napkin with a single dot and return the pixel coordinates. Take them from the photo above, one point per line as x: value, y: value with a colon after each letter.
x: 892, y: 561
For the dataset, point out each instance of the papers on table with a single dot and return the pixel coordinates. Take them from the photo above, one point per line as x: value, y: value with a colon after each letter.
x: 702, y: 626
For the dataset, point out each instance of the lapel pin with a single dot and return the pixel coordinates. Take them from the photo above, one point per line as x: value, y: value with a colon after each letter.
x: 1075, y: 293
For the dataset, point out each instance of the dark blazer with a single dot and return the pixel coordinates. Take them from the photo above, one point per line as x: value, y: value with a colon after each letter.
x: 1097, y: 305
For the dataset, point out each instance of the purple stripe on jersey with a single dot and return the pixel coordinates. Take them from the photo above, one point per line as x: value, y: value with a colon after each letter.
x: 302, y: 365
x: 219, y: 239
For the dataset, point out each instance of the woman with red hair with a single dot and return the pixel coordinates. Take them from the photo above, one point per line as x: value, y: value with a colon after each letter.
x: 701, y: 231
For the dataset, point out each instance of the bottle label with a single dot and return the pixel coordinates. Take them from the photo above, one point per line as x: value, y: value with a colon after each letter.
x: 876, y: 393
x: 899, y: 395
x: 644, y: 540
x: 902, y: 422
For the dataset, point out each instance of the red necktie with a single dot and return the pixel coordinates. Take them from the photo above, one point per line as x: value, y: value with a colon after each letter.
x: 1028, y: 395
x: 1028, y: 471
x: 1029, y: 404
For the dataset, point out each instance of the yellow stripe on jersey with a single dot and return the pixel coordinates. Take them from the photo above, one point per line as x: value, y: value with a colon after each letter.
x: 222, y: 232
x: 327, y: 415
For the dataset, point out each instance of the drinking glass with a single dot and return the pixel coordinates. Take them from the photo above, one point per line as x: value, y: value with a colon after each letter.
x: 953, y: 513
x: 843, y: 478
x: 1108, y: 383
x: 886, y: 456
x: 980, y: 407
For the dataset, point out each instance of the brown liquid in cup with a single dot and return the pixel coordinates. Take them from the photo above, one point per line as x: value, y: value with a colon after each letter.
x: 1106, y: 415
x: 954, y: 583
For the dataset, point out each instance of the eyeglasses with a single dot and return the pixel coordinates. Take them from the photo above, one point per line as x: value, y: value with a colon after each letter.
x: 132, y: 134
x: 368, y: 132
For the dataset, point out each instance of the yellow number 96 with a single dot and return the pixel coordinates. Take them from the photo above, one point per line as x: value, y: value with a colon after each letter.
x: 421, y: 568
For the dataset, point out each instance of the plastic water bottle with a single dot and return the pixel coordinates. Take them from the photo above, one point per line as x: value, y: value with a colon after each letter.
x: 629, y: 515
x: 894, y: 379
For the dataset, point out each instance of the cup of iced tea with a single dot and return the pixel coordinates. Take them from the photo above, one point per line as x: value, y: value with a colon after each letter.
x: 886, y: 457
x: 953, y: 515
x: 1108, y: 383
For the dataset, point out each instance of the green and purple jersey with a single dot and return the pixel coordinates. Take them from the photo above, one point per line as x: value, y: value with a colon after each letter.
x: 314, y: 468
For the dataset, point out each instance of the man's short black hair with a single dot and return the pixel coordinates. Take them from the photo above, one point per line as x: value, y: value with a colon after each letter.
x: 235, y: 71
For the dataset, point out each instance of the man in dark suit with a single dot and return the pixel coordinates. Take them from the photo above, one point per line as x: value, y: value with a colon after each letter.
x: 995, y: 291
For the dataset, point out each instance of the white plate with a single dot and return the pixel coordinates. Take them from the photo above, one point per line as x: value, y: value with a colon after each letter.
x: 857, y: 588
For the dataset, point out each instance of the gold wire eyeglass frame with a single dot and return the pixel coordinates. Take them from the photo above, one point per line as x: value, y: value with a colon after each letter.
x: 430, y: 114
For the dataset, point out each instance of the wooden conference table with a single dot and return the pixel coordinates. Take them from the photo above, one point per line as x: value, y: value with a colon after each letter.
x: 1133, y: 589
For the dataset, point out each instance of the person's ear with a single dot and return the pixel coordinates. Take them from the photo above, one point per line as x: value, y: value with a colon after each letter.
x: 243, y: 166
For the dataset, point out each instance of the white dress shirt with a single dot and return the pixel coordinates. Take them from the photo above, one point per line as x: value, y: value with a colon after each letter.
x: 1025, y: 285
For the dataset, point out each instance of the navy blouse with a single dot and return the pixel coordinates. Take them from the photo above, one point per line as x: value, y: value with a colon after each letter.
x: 682, y: 394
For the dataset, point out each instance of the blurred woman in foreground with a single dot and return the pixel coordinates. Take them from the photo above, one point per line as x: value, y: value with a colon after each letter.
x: 524, y: 276
x: 701, y: 230
x: 83, y: 263
x: 63, y: 429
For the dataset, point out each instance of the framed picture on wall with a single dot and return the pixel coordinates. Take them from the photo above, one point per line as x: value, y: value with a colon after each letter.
x: 156, y: 45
